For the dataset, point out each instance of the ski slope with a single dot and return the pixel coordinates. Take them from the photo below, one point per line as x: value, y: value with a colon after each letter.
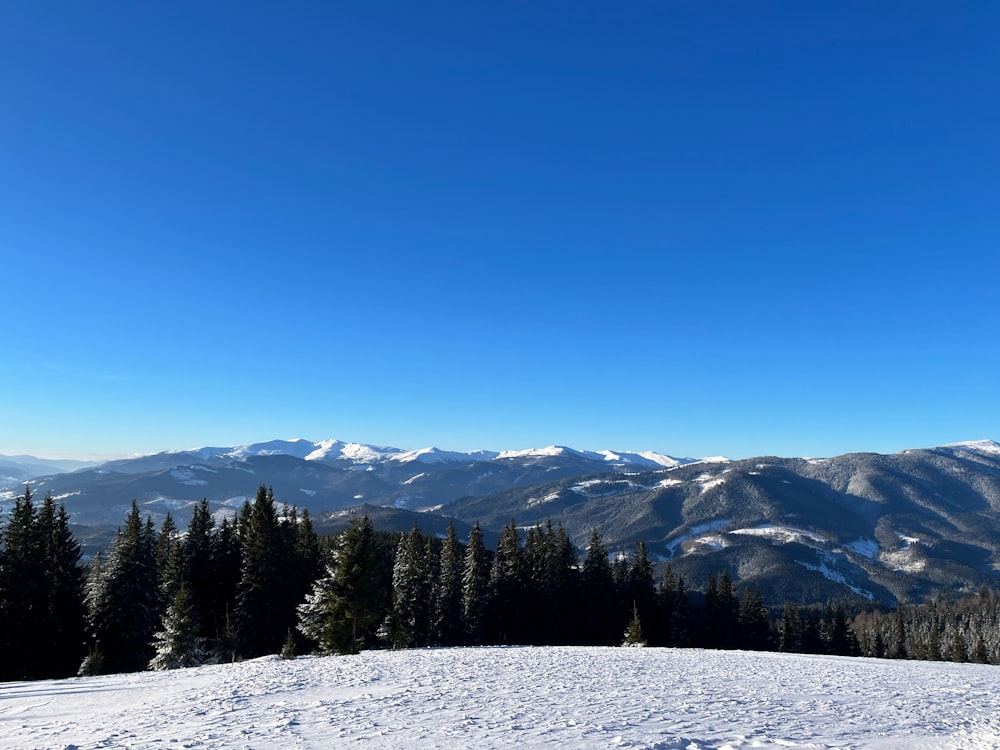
x: 517, y: 697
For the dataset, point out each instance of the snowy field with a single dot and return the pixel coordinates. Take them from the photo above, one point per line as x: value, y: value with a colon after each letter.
x: 517, y: 697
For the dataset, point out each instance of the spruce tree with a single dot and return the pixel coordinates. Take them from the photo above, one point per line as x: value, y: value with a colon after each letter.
x: 343, y: 606
x: 754, y: 628
x: 598, y: 590
x: 475, y: 585
x: 790, y: 630
x: 221, y: 584
x: 640, y: 587
x: 177, y: 644
x: 22, y: 589
x: 122, y: 598
x: 409, y: 618
x: 261, y: 622
x: 633, y: 633
x: 447, y: 621
x: 505, y: 617
x: 63, y: 629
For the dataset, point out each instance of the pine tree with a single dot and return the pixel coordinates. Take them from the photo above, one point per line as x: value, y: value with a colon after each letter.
x: 122, y: 598
x: 195, y: 567
x: 475, y: 585
x: 22, y: 594
x: 598, y: 590
x: 220, y: 586
x: 168, y: 562
x: 261, y: 622
x: 447, y: 625
x: 177, y: 644
x: 410, y: 625
x: 633, y: 634
x: 673, y: 609
x: 754, y: 627
x: 898, y: 649
x: 340, y: 611
x: 790, y: 630
x: 641, y: 588
x: 504, y: 613
x: 63, y: 629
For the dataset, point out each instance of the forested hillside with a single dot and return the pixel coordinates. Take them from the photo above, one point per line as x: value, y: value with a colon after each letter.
x: 161, y: 598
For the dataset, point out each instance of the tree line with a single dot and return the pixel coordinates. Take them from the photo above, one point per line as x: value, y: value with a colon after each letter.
x: 266, y: 583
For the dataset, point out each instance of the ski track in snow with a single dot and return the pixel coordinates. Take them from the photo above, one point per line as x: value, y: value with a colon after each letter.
x: 662, y: 699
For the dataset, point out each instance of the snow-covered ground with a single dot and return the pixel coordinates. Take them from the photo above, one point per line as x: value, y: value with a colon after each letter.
x: 517, y: 697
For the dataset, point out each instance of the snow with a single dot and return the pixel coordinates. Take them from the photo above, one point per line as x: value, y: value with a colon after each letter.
x: 981, y: 446
x: 709, y: 481
x: 518, y: 697
x: 551, y: 451
x: 826, y: 560
x: 865, y: 547
x: 694, y: 531
x: 437, y: 456
x: 781, y: 534
x: 186, y: 476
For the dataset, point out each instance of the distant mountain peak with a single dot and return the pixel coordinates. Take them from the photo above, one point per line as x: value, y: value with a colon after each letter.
x: 981, y: 446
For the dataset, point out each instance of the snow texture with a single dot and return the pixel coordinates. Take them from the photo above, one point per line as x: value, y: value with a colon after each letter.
x: 517, y: 697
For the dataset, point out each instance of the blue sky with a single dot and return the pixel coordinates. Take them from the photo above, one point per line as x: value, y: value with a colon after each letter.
x: 699, y: 228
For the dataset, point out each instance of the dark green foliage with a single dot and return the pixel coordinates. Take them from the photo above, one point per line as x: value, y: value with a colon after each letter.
x: 640, y: 586
x: 475, y: 585
x: 447, y: 625
x: 601, y: 625
x: 122, y: 602
x: 412, y: 584
x: 280, y: 561
x: 41, y: 593
x: 721, y: 625
x: 674, y: 609
x: 168, y: 562
x: 505, y: 614
x: 340, y: 612
x: 178, y: 644
x: 754, y: 627
x: 633, y: 634
x: 259, y: 623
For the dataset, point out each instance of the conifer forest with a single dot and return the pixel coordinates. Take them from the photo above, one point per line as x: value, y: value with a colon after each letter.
x: 265, y: 582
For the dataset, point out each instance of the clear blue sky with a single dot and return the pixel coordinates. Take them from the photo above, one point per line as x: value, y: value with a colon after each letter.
x: 700, y: 228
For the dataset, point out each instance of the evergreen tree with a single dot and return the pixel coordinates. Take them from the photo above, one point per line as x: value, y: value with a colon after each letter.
x: 897, y: 649
x: 122, y: 598
x: 505, y: 615
x: 177, y: 644
x: 633, y: 634
x: 168, y: 562
x: 22, y: 593
x: 196, y: 570
x: 409, y: 618
x: 959, y: 648
x: 641, y: 588
x: 563, y: 587
x: 342, y: 608
x: 790, y: 630
x: 62, y: 633
x: 220, y: 589
x: 754, y: 627
x: 261, y: 621
x: 598, y: 590
x: 447, y: 625
x: 475, y: 585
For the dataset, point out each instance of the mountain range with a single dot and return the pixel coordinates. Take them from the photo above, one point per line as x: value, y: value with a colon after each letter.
x: 879, y: 528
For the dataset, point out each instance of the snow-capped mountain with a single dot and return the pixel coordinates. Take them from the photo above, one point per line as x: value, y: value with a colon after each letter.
x: 887, y: 528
